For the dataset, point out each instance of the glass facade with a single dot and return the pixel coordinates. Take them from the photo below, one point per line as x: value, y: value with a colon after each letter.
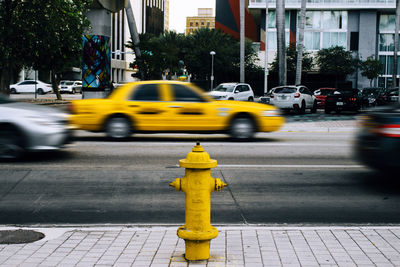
x: 386, y: 49
x: 330, y: 2
x: 272, y: 42
x: 324, y: 29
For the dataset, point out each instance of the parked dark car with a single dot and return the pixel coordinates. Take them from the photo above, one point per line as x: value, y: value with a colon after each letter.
x: 392, y: 95
x: 321, y: 94
x: 373, y: 96
x: 343, y: 100
x: 378, y: 141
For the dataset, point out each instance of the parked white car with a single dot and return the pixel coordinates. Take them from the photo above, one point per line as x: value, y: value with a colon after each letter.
x: 233, y: 91
x: 28, y: 86
x: 297, y: 97
x: 71, y: 87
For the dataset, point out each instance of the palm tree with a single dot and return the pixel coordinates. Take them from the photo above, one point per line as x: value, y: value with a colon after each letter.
x: 281, y: 44
x: 301, y: 41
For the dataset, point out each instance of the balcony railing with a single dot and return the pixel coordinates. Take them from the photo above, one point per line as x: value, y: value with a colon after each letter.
x: 327, y: 4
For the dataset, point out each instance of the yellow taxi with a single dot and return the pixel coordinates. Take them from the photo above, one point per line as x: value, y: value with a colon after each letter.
x: 171, y: 106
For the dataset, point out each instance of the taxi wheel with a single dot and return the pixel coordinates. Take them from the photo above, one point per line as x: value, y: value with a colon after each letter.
x: 118, y: 128
x: 242, y: 128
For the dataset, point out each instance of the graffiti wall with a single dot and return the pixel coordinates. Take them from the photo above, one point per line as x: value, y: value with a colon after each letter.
x: 96, y: 62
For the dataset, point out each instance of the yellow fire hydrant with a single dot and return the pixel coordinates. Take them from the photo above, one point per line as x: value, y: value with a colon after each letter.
x: 197, y: 185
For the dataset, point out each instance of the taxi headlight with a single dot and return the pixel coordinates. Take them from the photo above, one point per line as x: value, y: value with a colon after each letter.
x: 271, y: 113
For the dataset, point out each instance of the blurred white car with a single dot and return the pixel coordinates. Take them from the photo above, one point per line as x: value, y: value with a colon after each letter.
x: 233, y: 91
x: 28, y: 127
x: 28, y: 86
x: 296, y: 97
x: 71, y: 87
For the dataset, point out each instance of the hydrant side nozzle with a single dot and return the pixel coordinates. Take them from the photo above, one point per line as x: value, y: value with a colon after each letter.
x: 176, y: 184
x: 219, y: 184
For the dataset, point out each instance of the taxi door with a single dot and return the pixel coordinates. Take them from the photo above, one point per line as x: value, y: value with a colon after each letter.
x: 191, y: 111
x: 148, y: 109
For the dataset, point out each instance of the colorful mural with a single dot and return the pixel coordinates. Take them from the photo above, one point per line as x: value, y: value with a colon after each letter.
x: 227, y: 18
x: 96, y: 63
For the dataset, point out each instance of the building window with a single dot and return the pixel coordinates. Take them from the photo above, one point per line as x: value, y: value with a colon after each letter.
x: 272, y: 19
x: 272, y: 42
x: 324, y: 29
x: 334, y: 20
x: 354, y: 41
x: 313, y: 20
x: 312, y: 40
x: 386, y: 42
x: 387, y: 22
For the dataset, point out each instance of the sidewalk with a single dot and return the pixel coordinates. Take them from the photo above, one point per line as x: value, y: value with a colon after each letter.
x: 235, y: 246
x: 321, y: 126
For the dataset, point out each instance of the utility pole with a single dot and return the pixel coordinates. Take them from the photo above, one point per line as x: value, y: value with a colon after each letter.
x: 242, y: 41
x: 135, y: 37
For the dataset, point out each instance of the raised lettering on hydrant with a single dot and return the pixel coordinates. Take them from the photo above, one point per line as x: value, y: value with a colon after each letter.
x: 197, y: 185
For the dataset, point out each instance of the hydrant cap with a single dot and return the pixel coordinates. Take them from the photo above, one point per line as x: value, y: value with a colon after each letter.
x: 198, y: 159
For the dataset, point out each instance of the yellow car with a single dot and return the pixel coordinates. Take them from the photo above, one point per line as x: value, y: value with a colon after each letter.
x: 171, y: 106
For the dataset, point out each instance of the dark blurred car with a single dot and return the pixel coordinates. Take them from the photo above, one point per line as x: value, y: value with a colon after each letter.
x: 378, y: 141
x: 343, y: 100
x: 320, y: 95
x: 392, y: 95
x: 28, y: 127
x: 373, y: 96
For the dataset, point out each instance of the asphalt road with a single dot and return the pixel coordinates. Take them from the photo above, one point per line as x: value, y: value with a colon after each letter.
x: 280, y: 178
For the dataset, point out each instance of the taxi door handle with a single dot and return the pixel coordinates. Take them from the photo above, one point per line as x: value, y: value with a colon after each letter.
x: 174, y: 106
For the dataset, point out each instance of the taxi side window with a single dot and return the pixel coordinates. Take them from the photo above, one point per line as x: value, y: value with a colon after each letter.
x: 183, y: 93
x: 145, y: 92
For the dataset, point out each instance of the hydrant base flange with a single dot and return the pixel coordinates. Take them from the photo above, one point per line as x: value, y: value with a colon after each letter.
x: 188, y: 234
x: 196, y: 250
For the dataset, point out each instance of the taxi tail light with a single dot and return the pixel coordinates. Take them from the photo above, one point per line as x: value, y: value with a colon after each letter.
x: 297, y: 95
x: 353, y: 99
x: 389, y: 130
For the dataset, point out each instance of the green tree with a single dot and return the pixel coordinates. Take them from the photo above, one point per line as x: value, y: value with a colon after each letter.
x: 13, y: 45
x: 291, y: 62
x: 371, y: 68
x: 165, y: 51
x: 336, y: 61
x: 57, y: 27
x: 160, y: 53
x: 43, y: 34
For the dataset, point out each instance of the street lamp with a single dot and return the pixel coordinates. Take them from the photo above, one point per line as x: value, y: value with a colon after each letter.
x: 212, y: 53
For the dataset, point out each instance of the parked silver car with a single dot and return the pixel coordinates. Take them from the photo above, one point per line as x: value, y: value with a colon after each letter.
x: 71, y: 87
x: 28, y: 127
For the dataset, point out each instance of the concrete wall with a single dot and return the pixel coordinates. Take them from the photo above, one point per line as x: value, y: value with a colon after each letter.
x: 100, y: 20
x: 367, y: 41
